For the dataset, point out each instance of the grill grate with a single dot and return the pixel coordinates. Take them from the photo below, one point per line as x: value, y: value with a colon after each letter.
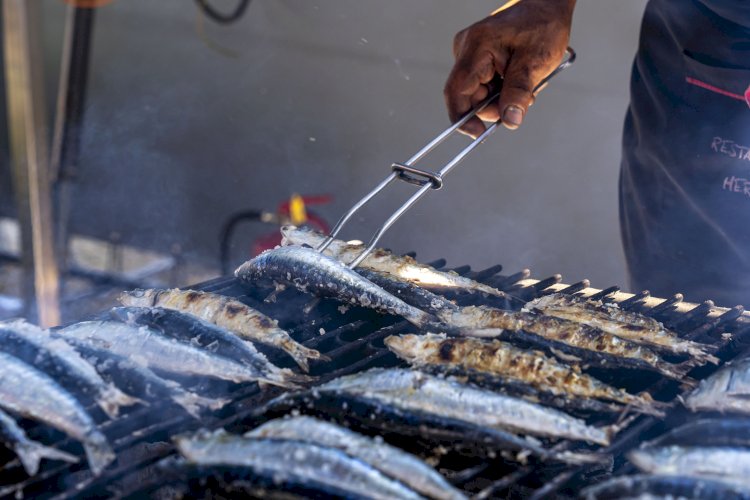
x: 353, y: 338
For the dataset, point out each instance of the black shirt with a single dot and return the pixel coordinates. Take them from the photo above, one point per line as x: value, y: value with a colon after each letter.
x: 685, y: 178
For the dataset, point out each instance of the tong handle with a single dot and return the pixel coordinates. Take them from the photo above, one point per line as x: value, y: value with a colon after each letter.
x: 425, y: 179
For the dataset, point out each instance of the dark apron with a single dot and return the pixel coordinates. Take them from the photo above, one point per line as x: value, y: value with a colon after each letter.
x: 685, y: 178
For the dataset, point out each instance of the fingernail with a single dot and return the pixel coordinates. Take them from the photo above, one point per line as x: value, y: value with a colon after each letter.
x: 512, y: 116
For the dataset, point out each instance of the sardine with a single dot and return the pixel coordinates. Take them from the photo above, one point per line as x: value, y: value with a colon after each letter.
x: 650, y: 487
x: 416, y: 391
x: 389, y: 460
x: 717, y: 463
x: 405, y: 267
x: 712, y: 432
x: 727, y: 390
x: 191, y: 329
x: 56, y: 358
x: 295, y: 462
x: 149, y: 348
x: 30, y: 393
x: 625, y: 324
x: 505, y: 360
x: 225, y: 312
x: 140, y: 380
x: 29, y: 452
x: 475, y: 319
x: 312, y: 272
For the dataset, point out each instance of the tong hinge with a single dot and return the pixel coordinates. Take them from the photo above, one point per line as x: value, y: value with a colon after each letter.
x: 417, y: 176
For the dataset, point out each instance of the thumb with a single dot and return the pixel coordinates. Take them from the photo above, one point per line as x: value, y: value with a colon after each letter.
x: 517, y: 93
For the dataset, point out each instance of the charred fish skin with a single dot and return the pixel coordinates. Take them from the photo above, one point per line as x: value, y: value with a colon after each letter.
x: 717, y: 463
x: 389, y: 460
x: 625, y: 324
x: 140, y: 380
x: 39, y: 348
x: 667, y: 487
x: 417, y: 391
x: 504, y: 360
x: 405, y: 268
x: 568, y: 332
x: 29, y: 452
x: 225, y: 312
x: 149, y: 348
x: 33, y: 394
x: 727, y: 390
x: 293, y: 461
x: 312, y: 272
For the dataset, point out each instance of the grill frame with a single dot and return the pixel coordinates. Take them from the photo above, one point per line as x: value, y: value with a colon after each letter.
x: 141, y: 447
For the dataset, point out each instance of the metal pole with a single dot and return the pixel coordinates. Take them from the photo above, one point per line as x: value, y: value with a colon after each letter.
x: 66, y: 137
x: 29, y: 150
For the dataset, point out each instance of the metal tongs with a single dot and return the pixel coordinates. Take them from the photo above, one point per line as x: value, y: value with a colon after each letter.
x: 426, y: 179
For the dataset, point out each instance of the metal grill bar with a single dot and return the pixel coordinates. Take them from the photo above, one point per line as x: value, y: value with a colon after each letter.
x: 354, y: 341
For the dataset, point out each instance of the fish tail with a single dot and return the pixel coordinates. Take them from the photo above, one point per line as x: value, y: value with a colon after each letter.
x: 676, y: 371
x: 286, y: 378
x: 702, y: 353
x: 113, y: 398
x: 645, y: 404
x: 623, y: 422
x: 194, y: 404
x: 98, y: 452
x: 31, y: 453
x: 301, y: 354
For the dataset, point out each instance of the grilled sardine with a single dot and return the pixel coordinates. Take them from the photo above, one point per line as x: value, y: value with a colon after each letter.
x: 476, y: 319
x: 33, y: 394
x: 151, y: 349
x: 56, y: 358
x: 140, y: 380
x: 625, y: 324
x: 388, y: 459
x: 504, y: 360
x: 727, y: 390
x: 416, y: 391
x: 330, y: 469
x: 225, y: 312
x: 405, y: 267
x: 310, y: 271
x: 649, y: 487
x: 29, y: 452
x: 718, y: 463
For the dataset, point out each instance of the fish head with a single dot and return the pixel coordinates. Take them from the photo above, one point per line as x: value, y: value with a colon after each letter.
x: 399, y: 344
x: 138, y: 297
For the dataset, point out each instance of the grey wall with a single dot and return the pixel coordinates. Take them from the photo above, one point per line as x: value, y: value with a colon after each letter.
x: 311, y: 97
